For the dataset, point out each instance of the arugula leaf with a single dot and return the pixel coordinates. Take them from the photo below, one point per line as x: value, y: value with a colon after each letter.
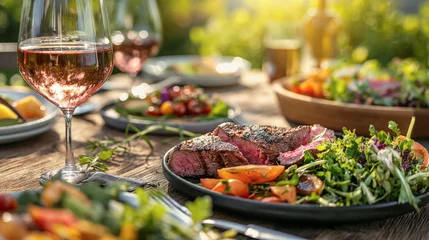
x: 394, y: 127
x: 293, y: 181
x: 308, y: 157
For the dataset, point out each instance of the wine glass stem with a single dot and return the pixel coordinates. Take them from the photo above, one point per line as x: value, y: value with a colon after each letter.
x: 71, y: 172
x: 70, y: 161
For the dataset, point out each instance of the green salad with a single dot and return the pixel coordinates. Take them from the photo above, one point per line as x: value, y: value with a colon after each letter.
x: 62, y: 211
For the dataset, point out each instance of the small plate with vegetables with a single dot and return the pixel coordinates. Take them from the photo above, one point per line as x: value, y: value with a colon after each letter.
x: 62, y: 211
x: 349, y: 178
x: 22, y: 110
x: 185, y: 107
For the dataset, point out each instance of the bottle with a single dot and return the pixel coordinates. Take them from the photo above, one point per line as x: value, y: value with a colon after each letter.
x: 321, y: 27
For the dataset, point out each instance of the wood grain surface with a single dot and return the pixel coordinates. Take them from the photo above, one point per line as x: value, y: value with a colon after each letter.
x: 22, y: 163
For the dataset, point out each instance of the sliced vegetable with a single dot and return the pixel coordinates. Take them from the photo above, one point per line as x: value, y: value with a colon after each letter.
x: 251, y: 173
x: 232, y: 187
x: 209, y: 183
x: 54, y: 191
x: 272, y: 199
x: 285, y: 193
x: 30, y: 107
x: 12, y: 228
x: 308, y: 184
x: 47, y: 218
x: 6, y: 113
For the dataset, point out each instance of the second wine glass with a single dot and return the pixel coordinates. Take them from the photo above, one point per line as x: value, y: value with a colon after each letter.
x: 136, y: 33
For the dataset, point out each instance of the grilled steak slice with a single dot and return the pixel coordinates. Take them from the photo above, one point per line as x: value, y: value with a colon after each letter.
x: 203, y: 156
x: 263, y: 144
x: 297, y: 156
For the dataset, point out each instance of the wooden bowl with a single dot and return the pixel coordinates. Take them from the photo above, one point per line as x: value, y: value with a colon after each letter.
x: 303, y: 109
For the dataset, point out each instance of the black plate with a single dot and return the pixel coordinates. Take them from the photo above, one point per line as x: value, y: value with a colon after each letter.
x: 302, y: 212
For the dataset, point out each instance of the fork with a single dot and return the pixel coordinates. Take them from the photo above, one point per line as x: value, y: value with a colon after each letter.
x: 253, y: 231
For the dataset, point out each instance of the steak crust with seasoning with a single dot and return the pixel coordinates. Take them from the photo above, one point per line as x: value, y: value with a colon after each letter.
x: 263, y: 144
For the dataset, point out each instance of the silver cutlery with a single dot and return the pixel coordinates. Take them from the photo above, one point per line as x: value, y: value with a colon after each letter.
x: 250, y: 230
x: 86, y: 108
x: 144, y: 89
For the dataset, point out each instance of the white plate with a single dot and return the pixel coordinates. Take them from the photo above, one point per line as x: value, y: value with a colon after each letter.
x: 15, y: 137
x: 51, y: 112
x: 155, y: 68
x: 113, y: 119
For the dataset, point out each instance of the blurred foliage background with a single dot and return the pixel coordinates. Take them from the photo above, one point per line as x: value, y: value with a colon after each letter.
x: 387, y: 28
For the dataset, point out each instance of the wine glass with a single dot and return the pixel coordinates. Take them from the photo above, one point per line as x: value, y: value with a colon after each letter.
x: 136, y: 34
x: 65, y: 54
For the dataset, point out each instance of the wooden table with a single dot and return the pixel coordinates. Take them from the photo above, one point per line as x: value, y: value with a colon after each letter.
x: 22, y: 163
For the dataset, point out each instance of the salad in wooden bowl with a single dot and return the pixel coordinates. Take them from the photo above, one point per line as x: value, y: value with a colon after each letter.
x: 355, y: 96
x: 402, y: 84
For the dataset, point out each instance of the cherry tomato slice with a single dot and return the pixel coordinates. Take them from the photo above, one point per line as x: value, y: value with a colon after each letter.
x: 7, y: 203
x: 209, y: 183
x: 272, y: 199
x: 233, y: 187
x: 46, y: 218
x: 285, y: 193
x: 251, y: 173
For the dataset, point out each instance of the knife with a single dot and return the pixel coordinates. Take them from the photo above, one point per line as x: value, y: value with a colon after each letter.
x: 252, y: 231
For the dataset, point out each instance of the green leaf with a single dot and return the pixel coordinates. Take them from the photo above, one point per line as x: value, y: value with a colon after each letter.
x: 143, y: 197
x: 308, y: 157
x: 293, y: 181
x: 157, y: 212
x: 220, y: 109
x: 106, y: 154
x: 83, y: 160
x: 26, y: 198
x: 394, y: 127
x: 200, y: 209
x: 372, y: 130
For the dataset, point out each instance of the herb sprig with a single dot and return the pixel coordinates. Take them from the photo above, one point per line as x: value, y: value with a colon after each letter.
x: 109, y: 149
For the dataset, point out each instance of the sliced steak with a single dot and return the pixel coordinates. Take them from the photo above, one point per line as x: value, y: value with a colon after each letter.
x: 263, y: 144
x: 203, y: 156
x: 297, y: 156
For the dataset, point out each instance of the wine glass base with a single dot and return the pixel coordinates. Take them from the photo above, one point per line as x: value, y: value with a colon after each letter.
x: 59, y: 174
